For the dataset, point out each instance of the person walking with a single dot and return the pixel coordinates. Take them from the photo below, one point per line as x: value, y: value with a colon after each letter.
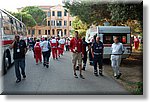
x: 85, y: 44
x: 67, y: 44
x: 76, y: 49
x: 97, y: 54
x: 136, y: 43
x: 61, y: 46
x: 20, y: 49
x: 46, y: 50
x: 38, y: 52
x: 117, y: 50
x: 53, y: 43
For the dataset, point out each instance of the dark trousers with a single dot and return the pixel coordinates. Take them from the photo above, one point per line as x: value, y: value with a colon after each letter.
x: 90, y: 58
x: 46, y: 56
x: 84, y: 59
x: 19, y: 63
x: 98, y: 59
x: 67, y: 47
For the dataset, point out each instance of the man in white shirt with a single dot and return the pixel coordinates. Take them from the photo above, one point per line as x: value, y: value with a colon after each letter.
x: 46, y: 50
x: 117, y: 50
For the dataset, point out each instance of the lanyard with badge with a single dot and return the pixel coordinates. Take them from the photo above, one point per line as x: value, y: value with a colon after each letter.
x: 18, y: 48
x: 76, y: 42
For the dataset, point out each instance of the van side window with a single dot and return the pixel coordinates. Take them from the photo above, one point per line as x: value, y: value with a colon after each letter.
x: 107, y: 39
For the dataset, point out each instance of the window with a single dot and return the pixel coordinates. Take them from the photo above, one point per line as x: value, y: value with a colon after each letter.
x: 48, y: 14
x: 48, y: 23
x: 53, y: 31
x: 48, y: 32
x: 59, y: 23
x: 70, y: 23
x: 33, y: 31
x: 52, y: 23
x: 124, y: 39
x: 53, y: 13
x: 45, y: 32
x: 107, y: 39
x: 65, y: 23
x: 65, y: 32
x: 29, y: 32
x: 65, y: 13
x: 39, y: 32
x: 59, y: 14
x: 6, y: 24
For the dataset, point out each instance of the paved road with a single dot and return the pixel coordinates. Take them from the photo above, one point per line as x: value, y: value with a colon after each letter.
x: 59, y: 79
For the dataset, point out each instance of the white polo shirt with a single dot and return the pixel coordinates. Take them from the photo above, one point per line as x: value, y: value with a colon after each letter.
x: 117, y: 48
x: 44, y: 46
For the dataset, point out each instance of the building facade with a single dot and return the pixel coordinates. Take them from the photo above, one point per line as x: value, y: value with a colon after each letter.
x: 59, y: 22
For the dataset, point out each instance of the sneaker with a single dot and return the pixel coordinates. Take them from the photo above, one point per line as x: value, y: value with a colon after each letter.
x: 118, y: 76
x: 95, y: 73
x: 81, y: 76
x: 75, y: 75
x: 18, y: 80
x: 44, y: 65
x: 47, y: 66
x: 24, y: 76
x: 36, y: 63
x: 101, y: 74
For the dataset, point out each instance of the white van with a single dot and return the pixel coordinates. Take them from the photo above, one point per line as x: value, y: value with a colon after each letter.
x: 107, y: 33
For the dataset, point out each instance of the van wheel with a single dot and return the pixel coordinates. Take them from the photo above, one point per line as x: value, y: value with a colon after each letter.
x: 6, y: 62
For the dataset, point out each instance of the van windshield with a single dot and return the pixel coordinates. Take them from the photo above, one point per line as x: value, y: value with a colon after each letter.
x: 108, y: 38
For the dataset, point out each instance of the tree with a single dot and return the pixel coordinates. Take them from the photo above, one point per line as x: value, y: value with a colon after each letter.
x: 79, y: 26
x: 89, y: 12
x: 27, y: 19
x: 38, y: 14
x: 121, y: 12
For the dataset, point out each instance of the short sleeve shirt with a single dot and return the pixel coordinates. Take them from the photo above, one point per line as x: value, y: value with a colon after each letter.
x: 19, y: 49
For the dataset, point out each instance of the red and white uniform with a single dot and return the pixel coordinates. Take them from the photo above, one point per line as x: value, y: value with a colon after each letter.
x: 54, y: 46
x: 38, y: 52
x: 136, y: 43
x: 61, y: 46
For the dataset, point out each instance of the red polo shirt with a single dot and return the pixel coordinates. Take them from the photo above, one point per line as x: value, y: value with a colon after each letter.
x: 76, y: 43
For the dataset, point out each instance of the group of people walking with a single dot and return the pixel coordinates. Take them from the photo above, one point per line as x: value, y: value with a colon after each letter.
x: 96, y: 50
x: 79, y: 48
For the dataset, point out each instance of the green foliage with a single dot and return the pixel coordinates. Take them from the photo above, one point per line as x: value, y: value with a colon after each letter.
x: 79, y: 26
x: 89, y: 13
x: 93, y: 12
x: 27, y: 19
x: 38, y: 14
x: 137, y: 87
x: 124, y: 11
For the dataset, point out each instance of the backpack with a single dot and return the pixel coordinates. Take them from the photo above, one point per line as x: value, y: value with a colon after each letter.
x: 49, y: 47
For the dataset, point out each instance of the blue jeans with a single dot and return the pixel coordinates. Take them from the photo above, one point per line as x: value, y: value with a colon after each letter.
x: 19, y: 63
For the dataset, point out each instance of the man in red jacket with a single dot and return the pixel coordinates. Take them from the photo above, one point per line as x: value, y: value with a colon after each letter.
x: 76, y: 49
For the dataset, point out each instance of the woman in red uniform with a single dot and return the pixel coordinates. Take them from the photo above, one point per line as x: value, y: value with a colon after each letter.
x: 136, y: 43
x: 38, y: 52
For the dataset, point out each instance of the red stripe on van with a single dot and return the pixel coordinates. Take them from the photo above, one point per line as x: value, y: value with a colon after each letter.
x: 6, y: 42
x: 109, y: 45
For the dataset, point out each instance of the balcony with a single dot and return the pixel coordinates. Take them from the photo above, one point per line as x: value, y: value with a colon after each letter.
x: 59, y: 18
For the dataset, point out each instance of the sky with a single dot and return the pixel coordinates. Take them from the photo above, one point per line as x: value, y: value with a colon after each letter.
x: 12, y: 5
